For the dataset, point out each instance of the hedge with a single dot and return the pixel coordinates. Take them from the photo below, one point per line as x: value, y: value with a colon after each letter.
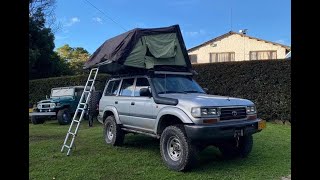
x: 39, y: 88
x: 267, y: 83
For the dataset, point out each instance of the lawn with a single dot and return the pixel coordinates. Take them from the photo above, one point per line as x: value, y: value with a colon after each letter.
x: 139, y: 157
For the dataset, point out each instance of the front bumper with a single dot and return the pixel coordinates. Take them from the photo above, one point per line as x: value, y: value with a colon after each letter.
x: 42, y: 114
x: 221, y: 130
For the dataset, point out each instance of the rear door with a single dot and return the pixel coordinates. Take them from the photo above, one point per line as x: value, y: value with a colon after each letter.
x: 122, y: 102
x: 110, y: 94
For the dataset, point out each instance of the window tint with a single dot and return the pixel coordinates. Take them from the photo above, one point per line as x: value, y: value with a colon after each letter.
x: 141, y: 83
x: 126, y: 87
x: 175, y: 84
x: 112, y: 88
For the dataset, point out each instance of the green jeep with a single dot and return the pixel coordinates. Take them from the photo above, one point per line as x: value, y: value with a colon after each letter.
x: 61, y: 105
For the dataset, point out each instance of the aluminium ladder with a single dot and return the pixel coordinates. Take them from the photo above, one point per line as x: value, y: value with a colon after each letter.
x: 82, y: 106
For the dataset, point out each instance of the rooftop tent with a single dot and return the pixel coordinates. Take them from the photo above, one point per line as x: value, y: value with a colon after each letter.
x: 141, y: 50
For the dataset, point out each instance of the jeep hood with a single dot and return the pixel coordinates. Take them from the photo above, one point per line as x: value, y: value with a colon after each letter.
x: 199, y: 99
x: 56, y: 99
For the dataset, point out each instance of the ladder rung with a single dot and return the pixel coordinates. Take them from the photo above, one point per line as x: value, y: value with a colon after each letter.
x: 76, y: 121
x: 91, y: 80
x: 82, y: 103
x: 82, y: 109
x: 73, y: 134
x: 67, y: 146
x: 86, y: 91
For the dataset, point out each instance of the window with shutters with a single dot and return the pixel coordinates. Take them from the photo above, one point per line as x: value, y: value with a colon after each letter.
x: 258, y: 55
x: 221, y: 57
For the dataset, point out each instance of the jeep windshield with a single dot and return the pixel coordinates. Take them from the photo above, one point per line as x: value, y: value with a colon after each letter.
x: 165, y: 84
x: 62, y: 92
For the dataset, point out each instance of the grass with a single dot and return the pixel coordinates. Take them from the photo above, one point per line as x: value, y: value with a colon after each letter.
x: 140, y: 158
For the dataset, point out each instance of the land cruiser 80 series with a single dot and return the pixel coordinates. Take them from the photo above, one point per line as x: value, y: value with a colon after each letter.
x: 172, y: 107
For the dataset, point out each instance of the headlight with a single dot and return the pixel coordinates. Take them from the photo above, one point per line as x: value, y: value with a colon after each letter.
x: 53, y: 105
x: 39, y: 106
x: 196, y: 112
x: 251, y: 110
x: 200, y: 112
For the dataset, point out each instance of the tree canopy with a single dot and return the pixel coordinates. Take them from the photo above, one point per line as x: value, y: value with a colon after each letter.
x: 43, y: 60
x: 75, y: 57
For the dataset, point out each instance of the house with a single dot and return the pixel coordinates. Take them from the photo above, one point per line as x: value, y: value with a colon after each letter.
x: 234, y: 46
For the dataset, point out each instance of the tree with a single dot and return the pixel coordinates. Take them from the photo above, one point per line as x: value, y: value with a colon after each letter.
x: 76, y: 57
x: 43, y: 61
x: 47, y: 7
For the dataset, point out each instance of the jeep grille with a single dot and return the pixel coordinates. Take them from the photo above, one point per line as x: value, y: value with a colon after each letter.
x: 228, y: 113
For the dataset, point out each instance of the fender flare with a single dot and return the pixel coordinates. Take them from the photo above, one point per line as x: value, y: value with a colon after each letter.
x: 114, y: 111
x: 179, y: 113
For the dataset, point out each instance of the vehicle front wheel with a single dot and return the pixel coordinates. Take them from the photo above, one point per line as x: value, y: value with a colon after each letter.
x: 64, y: 116
x: 176, y: 150
x: 113, y: 134
x: 230, y: 149
x: 37, y: 120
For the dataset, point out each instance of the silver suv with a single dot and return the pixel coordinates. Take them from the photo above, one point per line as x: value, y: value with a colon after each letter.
x: 172, y: 107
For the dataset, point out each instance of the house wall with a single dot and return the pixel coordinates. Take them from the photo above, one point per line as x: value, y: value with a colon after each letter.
x: 238, y: 44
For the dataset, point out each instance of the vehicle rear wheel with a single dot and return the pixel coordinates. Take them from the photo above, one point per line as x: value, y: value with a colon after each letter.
x: 177, y: 151
x: 37, y: 120
x: 113, y: 134
x: 230, y: 150
x: 64, y: 116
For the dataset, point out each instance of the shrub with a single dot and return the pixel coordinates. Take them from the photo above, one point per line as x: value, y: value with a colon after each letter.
x: 267, y: 83
x: 39, y: 88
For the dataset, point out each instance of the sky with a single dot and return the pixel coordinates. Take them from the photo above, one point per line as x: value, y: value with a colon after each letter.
x: 82, y: 25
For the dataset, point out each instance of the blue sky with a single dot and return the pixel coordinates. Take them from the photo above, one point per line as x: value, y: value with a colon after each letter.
x: 200, y: 20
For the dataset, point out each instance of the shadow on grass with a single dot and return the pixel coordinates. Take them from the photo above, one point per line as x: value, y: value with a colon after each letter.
x: 208, y: 157
x: 141, y: 141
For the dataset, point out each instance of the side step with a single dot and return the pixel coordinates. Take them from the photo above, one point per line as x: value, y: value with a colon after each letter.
x: 141, y: 132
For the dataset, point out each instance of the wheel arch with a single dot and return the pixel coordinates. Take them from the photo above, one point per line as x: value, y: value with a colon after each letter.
x: 110, y: 110
x: 170, y: 116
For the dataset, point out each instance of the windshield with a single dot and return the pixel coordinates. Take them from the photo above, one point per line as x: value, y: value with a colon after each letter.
x: 62, y: 92
x: 165, y: 84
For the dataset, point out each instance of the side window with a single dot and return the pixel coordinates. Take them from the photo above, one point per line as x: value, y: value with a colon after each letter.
x: 141, y: 83
x: 126, y: 87
x: 78, y: 92
x: 112, y: 88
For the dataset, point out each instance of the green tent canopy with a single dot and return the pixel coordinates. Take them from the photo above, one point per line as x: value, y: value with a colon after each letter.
x: 141, y: 50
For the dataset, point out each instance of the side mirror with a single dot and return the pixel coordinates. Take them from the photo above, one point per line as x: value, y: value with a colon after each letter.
x: 145, y: 92
x: 206, y: 90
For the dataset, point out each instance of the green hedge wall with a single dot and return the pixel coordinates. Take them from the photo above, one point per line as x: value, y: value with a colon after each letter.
x: 266, y: 83
x: 39, y: 88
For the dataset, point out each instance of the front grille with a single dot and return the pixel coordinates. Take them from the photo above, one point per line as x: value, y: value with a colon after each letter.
x: 233, y: 113
x: 46, y: 106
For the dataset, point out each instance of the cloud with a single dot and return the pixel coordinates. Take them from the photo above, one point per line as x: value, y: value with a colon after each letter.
x: 98, y: 20
x: 194, y: 33
x: 72, y: 21
x: 280, y: 41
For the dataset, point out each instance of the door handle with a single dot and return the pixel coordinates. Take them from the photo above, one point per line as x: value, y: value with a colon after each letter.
x: 116, y: 102
x: 132, y: 103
